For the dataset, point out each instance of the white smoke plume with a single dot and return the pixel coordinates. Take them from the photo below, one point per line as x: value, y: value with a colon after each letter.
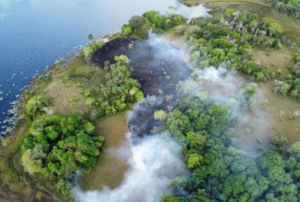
x: 220, y: 83
x: 152, y: 165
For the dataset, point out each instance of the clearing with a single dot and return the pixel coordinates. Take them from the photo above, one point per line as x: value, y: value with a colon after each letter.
x: 275, y: 59
x: 112, y: 163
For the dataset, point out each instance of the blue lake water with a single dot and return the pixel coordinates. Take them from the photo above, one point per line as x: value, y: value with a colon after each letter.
x: 34, y: 33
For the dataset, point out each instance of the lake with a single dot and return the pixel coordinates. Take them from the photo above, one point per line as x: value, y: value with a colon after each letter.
x: 34, y: 33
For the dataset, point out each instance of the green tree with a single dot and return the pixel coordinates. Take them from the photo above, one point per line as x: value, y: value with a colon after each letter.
x: 56, y: 146
x: 168, y: 198
x: 89, y: 101
x: 294, y: 150
x: 160, y: 115
x: 194, y: 160
x: 154, y: 18
x: 229, y: 12
x: 91, y: 38
x: 36, y: 105
x: 139, y: 26
x: 273, y: 27
x: 196, y: 141
x: 30, y: 164
x: 126, y: 30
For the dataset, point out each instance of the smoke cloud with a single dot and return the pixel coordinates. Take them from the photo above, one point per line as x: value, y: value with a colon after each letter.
x: 152, y: 164
x: 252, y: 126
x: 154, y: 161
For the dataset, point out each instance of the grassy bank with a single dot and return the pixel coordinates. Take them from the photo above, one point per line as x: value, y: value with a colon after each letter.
x: 112, y: 163
x: 65, y: 87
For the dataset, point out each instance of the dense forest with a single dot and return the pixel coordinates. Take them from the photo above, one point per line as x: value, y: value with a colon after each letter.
x: 287, y: 7
x: 58, y: 147
x: 139, y: 26
x: 219, y: 171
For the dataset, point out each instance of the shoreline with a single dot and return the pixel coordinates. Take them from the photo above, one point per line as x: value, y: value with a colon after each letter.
x: 15, y: 112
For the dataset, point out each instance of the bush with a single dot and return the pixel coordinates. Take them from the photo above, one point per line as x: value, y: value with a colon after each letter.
x: 59, y: 147
x: 139, y: 26
x: 229, y: 12
x: 36, y: 105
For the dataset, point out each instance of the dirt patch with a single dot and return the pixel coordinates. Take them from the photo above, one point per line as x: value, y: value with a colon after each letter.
x: 112, y: 163
x: 65, y: 100
x: 275, y: 59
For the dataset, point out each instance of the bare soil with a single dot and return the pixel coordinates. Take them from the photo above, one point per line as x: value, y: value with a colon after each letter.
x: 61, y: 96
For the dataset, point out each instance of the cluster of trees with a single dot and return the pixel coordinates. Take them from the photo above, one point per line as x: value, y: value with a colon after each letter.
x: 36, y: 105
x: 120, y: 91
x: 290, y: 85
x: 140, y: 25
x: 295, y: 66
x: 292, y: 45
x: 287, y: 7
x: 230, y: 42
x: 92, y: 47
x: 219, y: 171
x: 246, y: 96
x: 57, y: 147
x: 259, y: 73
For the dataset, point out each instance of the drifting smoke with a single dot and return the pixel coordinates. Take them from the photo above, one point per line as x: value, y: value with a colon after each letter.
x: 152, y: 165
x: 192, y: 12
x: 154, y: 161
x: 254, y: 125
x: 158, y: 67
x: 222, y: 86
x: 220, y: 83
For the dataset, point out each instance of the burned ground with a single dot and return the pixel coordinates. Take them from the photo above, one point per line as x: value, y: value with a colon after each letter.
x: 158, y: 67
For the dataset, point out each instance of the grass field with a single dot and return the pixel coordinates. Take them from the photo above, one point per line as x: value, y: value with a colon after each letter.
x: 112, y: 163
x: 12, y: 187
x: 283, y: 124
x: 275, y: 59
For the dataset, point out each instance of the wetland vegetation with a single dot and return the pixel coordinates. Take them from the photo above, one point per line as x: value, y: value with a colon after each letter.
x: 232, y: 109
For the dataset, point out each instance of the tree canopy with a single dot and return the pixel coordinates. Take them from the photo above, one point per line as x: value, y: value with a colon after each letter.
x: 36, y: 105
x: 120, y: 90
x: 57, y: 147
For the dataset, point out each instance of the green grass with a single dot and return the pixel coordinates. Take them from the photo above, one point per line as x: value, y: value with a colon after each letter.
x: 111, y: 166
x: 13, y: 179
x: 275, y: 59
x: 68, y: 98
